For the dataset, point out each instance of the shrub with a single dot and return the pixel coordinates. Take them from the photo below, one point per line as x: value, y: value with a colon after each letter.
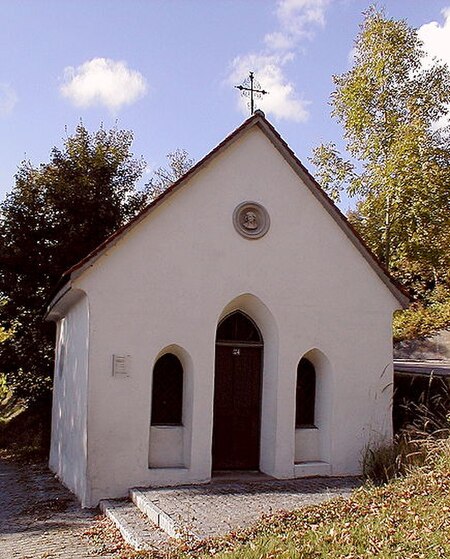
x: 418, y: 441
x: 423, y: 319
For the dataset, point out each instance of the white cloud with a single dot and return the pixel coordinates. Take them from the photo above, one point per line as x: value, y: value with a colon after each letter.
x: 282, y: 100
x: 436, y: 37
x: 436, y: 40
x: 278, y: 41
x: 8, y: 99
x: 102, y: 81
x: 296, y: 19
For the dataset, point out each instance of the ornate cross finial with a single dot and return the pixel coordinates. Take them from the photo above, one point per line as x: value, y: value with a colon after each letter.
x: 251, y: 88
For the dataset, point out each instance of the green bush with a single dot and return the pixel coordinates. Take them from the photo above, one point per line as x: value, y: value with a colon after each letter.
x: 424, y: 318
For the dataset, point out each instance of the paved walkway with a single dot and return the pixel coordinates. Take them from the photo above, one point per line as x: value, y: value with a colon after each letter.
x: 223, y: 506
x: 39, y: 519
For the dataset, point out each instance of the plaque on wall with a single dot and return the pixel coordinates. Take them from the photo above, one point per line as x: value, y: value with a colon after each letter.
x: 251, y: 220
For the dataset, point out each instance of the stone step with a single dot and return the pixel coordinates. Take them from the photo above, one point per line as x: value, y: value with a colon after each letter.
x: 161, y: 518
x: 312, y: 468
x: 135, y: 528
x: 195, y: 512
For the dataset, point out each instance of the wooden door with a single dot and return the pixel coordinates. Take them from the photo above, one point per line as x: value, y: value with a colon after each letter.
x: 237, y: 407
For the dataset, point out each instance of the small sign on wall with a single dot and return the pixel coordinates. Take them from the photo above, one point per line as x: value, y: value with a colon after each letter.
x: 121, y: 365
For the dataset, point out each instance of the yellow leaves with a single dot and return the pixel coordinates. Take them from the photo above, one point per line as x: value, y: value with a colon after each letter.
x: 405, y: 519
x: 388, y: 105
x: 420, y: 320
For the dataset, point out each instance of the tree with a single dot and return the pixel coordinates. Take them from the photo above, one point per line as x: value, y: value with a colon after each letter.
x: 55, y: 215
x: 390, y: 105
x: 179, y: 164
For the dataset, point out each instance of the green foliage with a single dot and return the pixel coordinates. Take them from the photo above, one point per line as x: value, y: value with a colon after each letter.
x: 179, y: 164
x: 333, y: 172
x: 389, y: 105
x: 4, y: 390
x: 25, y: 431
x: 55, y: 215
x: 3, y: 387
x: 420, y: 321
x: 3, y: 335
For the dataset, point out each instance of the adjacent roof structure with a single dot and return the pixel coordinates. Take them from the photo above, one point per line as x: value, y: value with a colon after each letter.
x: 424, y: 356
x: 422, y: 368
x: 259, y: 120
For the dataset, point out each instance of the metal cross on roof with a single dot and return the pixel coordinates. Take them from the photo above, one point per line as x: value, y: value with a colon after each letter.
x: 251, y: 88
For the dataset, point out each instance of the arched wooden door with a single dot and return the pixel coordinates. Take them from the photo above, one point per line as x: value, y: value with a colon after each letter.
x: 237, y: 394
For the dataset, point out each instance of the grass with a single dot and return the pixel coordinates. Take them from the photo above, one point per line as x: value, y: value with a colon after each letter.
x: 404, y: 515
x: 407, y: 518
x: 402, y: 512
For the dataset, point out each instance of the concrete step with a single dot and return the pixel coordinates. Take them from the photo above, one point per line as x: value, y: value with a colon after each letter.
x: 162, y: 519
x: 135, y: 528
x: 196, y: 512
x: 312, y: 468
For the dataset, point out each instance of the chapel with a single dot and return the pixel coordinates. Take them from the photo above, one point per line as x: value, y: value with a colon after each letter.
x: 237, y: 323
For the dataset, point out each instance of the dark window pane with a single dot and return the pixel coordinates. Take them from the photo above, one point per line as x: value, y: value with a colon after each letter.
x: 238, y: 328
x: 306, y: 394
x: 167, y: 393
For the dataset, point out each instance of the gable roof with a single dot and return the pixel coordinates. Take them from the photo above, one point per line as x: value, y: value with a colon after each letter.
x: 257, y: 119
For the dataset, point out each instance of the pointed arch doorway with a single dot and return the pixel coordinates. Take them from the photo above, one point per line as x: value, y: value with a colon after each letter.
x: 237, y: 394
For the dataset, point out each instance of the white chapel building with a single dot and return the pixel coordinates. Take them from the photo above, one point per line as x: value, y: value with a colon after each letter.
x: 237, y: 323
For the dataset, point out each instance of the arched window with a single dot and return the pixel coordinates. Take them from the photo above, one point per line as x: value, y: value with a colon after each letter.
x: 238, y: 327
x: 306, y: 394
x: 167, y: 392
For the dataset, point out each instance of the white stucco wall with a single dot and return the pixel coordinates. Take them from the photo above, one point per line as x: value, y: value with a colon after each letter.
x: 172, y: 278
x: 68, y: 452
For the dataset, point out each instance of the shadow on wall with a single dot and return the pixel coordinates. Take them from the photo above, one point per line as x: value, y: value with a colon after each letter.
x: 68, y: 451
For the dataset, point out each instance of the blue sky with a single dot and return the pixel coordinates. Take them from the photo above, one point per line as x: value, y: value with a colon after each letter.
x: 166, y: 69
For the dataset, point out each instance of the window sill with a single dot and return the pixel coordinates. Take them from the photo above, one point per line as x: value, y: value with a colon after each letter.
x: 166, y: 425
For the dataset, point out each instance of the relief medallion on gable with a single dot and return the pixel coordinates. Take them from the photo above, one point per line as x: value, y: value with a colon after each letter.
x: 251, y: 220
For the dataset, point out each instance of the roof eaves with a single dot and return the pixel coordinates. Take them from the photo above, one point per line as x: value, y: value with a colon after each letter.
x: 77, y: 269
x: 393, y: 285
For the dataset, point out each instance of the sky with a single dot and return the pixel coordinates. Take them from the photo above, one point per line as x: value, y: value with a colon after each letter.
x: 166, y: 70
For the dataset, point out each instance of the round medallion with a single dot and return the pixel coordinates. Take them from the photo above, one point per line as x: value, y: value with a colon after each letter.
x: 251, y: 220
